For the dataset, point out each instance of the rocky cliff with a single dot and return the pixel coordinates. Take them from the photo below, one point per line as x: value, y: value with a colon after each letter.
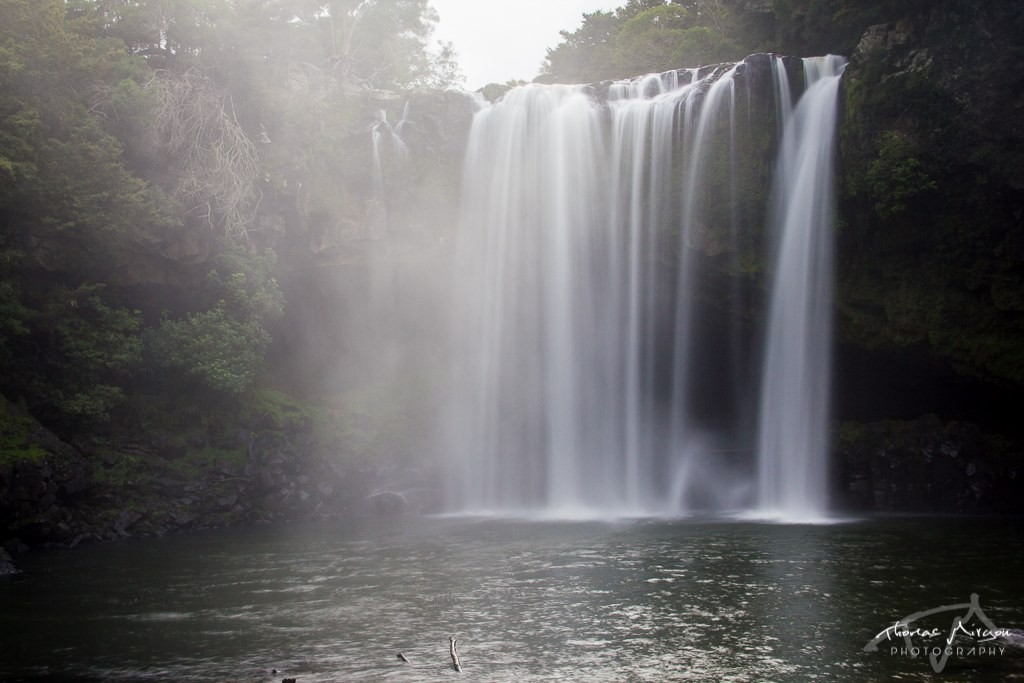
x: 275, y: 467
x: 931, y: 260
x: 931, y: 243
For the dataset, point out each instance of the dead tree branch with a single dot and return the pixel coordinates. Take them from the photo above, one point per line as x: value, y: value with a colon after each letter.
x: 453, y: 651
x: 216, y: 163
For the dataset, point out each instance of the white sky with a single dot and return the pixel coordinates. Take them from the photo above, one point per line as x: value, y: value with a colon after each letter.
x: 497, y: 42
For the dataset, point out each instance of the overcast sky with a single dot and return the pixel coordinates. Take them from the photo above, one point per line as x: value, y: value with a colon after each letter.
x: 497, y: 42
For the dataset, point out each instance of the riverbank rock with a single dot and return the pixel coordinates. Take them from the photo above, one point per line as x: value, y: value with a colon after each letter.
x: 387, y: 503
x: 41, y: 479
x: 102, y: 489
x: 926, y: 465
x: 7, y: 564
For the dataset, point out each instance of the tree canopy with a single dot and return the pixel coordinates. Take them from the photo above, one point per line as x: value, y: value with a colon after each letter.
x: 644, y: 36
x: 145, y: 148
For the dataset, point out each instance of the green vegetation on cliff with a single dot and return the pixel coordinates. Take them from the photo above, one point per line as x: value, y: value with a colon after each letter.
x: 933, y: 189
x: 932, y: 154
x: 153, y: 155
x: 644, y: 36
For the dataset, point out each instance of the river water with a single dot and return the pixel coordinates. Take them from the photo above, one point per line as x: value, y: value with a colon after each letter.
x: 638, y: 600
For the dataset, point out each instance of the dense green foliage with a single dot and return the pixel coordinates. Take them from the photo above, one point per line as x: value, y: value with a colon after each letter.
x: 931, y: 189
x: 652, y: 35
x: 152, y: 152
x: 645, y: 36
x: 220, y: 349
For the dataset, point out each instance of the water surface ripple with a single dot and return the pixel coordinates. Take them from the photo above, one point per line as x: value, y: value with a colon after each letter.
x: 686, y: 600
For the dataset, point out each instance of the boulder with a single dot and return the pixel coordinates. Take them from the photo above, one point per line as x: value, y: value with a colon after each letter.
x: 926, y: 465
x: 387, y: 503
x: 126, y: 520
x: 7, y: 564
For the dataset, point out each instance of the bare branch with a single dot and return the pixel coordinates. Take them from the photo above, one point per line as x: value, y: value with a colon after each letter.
x: 217, y: 164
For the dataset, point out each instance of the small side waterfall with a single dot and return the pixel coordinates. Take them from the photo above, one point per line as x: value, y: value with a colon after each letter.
x: 389, y: 152
x: 794, y: 437
x: 596, y: 366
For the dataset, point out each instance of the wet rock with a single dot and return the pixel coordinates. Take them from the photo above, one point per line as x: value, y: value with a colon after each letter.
x: 81, y: 538
x: 171, y: 486
x: 7, y: 564
x: 78, y: 482
x: 173, y: 448
x: 183, y: 519
x: 882, y: 37
x: 267, y: 479
x: 423, y: 500
x: 387, y: 503
x: 928, y: 466
x: 31, y: 485
x: 226, y: 467
x: 15, y: 546
x: 57, y: 500
x: 126, y: 520
x: 225, y: 503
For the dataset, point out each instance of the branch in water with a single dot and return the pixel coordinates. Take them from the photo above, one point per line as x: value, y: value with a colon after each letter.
x: 453, y: 651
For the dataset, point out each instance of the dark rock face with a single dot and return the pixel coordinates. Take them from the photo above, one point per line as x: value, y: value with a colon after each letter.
x: 6, y: 564
x: 69, y: 496
x: 36, y: 488
x: 931, y: 250
x: 928, y: 466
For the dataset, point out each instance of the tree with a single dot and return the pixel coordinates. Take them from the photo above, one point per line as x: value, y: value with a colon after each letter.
x: 219, y: 351
x: 166, y: 32
x: 586, y: 54
x: 71, y: 215
x: 646, y: 36
x: 671, y: 36
x: 215, y: 163
x: 93, y: 348
x: 127, y: 123
x: 382, y: 43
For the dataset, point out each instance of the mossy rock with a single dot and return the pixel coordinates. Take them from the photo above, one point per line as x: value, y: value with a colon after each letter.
x: 931, y: 251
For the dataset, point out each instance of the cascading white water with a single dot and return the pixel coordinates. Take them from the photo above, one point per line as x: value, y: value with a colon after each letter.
x: 688, y: 442
x: 579, y: 343
x: 534, y: 238
x: 643, y: 116
x: 793, y: 436
x: 388, y: 151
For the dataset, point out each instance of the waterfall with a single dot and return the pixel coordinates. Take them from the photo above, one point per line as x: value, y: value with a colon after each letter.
x: 593, y: 371
x: 388, y: 151
x: 689, y: 443
x: 793, y: 435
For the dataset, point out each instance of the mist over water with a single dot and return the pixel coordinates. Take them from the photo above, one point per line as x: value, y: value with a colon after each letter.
x: 595, y: 369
